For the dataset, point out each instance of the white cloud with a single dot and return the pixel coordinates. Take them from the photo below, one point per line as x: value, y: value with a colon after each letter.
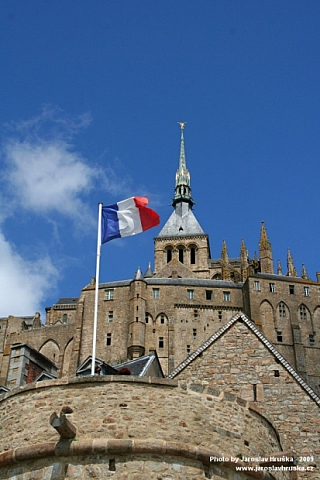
x: 46, y: 176
x: 24, y: 284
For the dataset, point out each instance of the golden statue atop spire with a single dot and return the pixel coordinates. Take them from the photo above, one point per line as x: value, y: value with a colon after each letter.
x: 182, y: 124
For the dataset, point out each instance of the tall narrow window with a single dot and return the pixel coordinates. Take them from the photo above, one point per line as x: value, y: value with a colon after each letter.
x: 303, y: 312
x: 311, y: 340
x: 180, y: 254
x: 291, y: 289
x: 169, y: 254
x: 161, y: 342
x: 254, y: 387
x: 155, y: 292
x: 272, y: 287
x: 279, y: 336
x: 282, y: 310
x: 64, y: 318
x: 188, y: 349
x: 194, y: 334
x: 306, y: 291
x: 190, y: 294
x: 108, y: 339
x: 195, y: 315
x: 110, y: 316
x: 256, y: 285
x: 192, y: 255
x: 226, y: 296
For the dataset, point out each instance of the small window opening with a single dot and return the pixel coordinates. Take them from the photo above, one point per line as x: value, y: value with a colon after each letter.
x: 108, y: 339
x: 276, y: 373
x: 181, y: 255
x: 209, y: 294
x: 254, y: 387
x: 112, y: 465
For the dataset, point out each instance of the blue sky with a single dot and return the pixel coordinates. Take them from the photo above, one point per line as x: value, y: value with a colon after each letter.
x: 91, y: 93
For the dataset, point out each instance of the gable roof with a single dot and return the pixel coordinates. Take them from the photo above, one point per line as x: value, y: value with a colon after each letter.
x: 241, y: 317
x: 85, y: 367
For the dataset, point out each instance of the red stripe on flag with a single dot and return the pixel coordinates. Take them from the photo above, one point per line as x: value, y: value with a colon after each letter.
x: 148, y: 217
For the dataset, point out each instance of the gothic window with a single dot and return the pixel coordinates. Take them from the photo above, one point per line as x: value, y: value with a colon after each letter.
x: 190, y: 294
x: 282, y: 310
x: 303, y: 312
x: 108, y: 294
x: 156, y: 292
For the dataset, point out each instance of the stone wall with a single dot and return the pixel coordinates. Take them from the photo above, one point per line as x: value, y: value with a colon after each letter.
x: 135, y: 409
x: 240, y: 365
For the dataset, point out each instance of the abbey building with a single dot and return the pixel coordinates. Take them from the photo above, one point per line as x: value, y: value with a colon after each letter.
x: 175, y: 307
x: 224, y: 363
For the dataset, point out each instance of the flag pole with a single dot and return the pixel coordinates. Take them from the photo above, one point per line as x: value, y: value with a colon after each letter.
x: 95, y: 316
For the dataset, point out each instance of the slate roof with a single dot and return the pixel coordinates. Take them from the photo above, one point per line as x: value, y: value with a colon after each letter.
x: 67, y: 301
x: 241, y: 317
x: 196, y: 282
x: 139, y: 366
x: 181, y: 222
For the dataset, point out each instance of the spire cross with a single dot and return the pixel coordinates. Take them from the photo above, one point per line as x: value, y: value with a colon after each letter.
x: 182, y: 124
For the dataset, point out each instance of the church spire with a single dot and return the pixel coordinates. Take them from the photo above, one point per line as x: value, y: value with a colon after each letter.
x: 182, y: 191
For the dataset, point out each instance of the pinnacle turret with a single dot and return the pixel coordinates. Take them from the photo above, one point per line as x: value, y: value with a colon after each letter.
x: 182, y: 191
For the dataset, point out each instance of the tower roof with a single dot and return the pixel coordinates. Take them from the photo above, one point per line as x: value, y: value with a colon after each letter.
x: 182, y: 221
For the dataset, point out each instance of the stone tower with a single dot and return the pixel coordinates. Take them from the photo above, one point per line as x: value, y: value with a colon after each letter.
x: 182, y: 247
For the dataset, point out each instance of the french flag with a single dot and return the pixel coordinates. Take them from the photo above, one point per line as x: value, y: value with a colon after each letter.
x: 126, y: 218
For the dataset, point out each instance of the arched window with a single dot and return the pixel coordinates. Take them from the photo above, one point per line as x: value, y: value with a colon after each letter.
x: 181, y: 251
x: 282, y: 310
x: 192, y: 250
x: 169, y: 254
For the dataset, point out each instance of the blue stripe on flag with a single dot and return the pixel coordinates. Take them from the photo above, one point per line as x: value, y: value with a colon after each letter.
x: 110, y: 223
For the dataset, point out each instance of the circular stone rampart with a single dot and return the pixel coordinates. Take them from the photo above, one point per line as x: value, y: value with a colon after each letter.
x: 131, y: 411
